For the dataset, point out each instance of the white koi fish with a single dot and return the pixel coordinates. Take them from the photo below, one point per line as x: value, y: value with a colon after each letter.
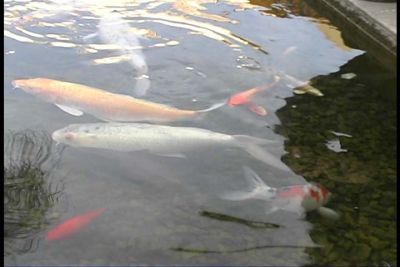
x: 159, y: 139
x: 112, y: 29
x: 296, y: 198
x: 76, y: 99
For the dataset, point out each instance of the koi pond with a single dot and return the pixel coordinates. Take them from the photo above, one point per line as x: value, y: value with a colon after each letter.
x: 280, y: 150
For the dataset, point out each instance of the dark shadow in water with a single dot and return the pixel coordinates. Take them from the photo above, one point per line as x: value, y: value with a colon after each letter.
x: 228, y: 218
x: 30, y: 188
x: 362, y: 179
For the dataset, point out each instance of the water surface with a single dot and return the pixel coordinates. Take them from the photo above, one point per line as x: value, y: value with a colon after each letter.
x: 199, y: 53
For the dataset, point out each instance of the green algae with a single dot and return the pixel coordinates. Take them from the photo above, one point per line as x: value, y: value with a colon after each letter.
x: 363, y: 179
x: 29, y: 189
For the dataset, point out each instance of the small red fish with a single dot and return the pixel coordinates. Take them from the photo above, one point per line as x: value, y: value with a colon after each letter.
x: 245, y: 98
x: 73, y: 225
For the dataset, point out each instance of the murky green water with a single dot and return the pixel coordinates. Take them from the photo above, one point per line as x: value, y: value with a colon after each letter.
x: 162, y: 210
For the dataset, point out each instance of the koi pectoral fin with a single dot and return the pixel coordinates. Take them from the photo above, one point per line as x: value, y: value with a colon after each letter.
x: 328, y: 213
x: 69, y: 110
x: 259, y: 110
x: 173, y: 155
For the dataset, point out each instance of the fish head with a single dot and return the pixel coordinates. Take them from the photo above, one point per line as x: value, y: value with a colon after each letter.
x: 239, y: 99
x: 319, y: 193
x: 32, y: 86
x: 75, y: 135
x: 20, y: 83
x: 315, y: 196
x: 326, y: 194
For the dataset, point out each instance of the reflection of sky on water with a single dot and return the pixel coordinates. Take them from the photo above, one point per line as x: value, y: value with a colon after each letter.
x: 153, y: 202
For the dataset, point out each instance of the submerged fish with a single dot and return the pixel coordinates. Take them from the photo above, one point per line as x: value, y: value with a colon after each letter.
x: 301, y: 87
x: 246, y: 98
x: 73, y: 225
x: 159, y: 139
x: 77, y: 99
x: 295, y: 198
x: 116, y: 31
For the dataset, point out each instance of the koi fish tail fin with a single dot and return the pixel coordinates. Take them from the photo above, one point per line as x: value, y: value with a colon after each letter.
x: 213, y: 107
x: 256, y: 188
x: 252, y: 146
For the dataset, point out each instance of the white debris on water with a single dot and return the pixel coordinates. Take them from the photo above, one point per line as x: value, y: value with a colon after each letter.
x: 348, y: 76
x: 341, y: 134
x: 335, y: 146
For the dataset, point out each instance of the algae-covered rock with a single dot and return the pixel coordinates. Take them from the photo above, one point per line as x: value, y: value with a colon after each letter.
x: 362, y: 180
x: 333, y: 256
x: 377, y: 244
x: 363, y: 220
x: 360, y: 252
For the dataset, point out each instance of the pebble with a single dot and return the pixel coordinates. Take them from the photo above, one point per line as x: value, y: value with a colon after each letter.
x: 360, y: 252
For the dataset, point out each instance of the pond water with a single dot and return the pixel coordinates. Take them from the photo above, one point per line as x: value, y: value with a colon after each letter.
x: 340, y: 132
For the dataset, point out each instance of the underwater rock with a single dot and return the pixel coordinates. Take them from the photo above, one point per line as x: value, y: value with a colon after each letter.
x: 377, y: 244
x: 333, y: 256
x: 360, y: 252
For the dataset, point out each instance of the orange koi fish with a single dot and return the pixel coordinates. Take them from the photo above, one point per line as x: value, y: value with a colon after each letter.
x: 73, y: 225
x: 76, y: 99
x: 295, y: 198
x: 245, y: 98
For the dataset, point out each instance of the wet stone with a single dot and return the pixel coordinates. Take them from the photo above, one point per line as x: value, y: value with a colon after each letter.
x: 360, y: 252
x: 362, y: 220
x: 347, y: 244
x: 387, y: 201
x: 377, y: 243
x: 333, y: 256
x: 351, y: 236
x: 375, y: 256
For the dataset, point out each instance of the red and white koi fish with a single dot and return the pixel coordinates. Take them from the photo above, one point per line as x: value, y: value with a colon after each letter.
x: 246, y: 98
x: 76, y: 99
x: 73, y: 225
x: 295, y: 198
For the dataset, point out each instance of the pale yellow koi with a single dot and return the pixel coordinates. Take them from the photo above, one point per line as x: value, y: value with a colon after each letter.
x: 77, y: 99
